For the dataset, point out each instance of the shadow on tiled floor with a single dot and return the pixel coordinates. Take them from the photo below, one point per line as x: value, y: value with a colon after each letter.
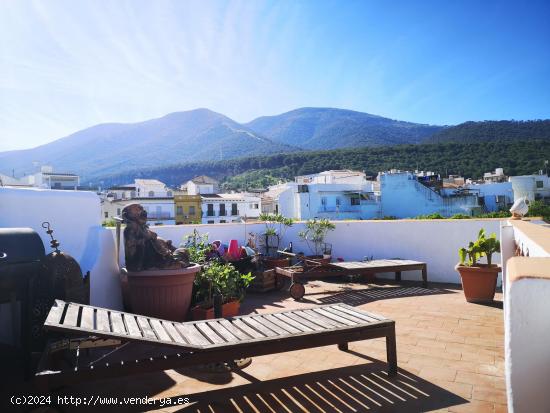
x: 359, y: 388
x: 356, y: 297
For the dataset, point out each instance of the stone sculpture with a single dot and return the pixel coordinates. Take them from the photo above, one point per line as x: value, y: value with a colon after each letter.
x: 143, y: 249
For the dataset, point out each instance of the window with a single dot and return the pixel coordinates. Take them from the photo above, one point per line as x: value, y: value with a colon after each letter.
x: 210, y: 211
x: 192, y: 210
x: 234, y: 210
x: 337, y: 202
x: 179, y: 210
x: 151, y: 194
x: 540, y: 184
x: 324, y: 200
x: 303, y: 188
x: 256, y: 206
x: 355, y: 200
x: 106, y: 215
x: 118, y: 211
x: 210, y: 222
x: 222, y: 221
x: 222, y: 210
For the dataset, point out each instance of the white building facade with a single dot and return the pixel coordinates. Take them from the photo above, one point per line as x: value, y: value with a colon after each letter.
x: 153, y: 195
x: 336, y: 195
x: 224, y: 208
x: 532, y: 187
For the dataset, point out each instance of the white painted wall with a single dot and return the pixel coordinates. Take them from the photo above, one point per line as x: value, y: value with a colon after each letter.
x: 527, y: 334
x: 433, y: 241
x: 527, y: 349
x: 75, y: 218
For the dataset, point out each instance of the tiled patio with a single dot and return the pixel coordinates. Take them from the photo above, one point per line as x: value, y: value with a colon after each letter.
x: 450, y: 355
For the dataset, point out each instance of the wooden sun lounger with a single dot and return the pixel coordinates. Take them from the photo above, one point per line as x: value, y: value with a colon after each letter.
x: 299, y: 273
x: 201, y: 342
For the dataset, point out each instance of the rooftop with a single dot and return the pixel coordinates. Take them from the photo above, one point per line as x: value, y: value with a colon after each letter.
x: 203, y: 179
x: 450, y: 357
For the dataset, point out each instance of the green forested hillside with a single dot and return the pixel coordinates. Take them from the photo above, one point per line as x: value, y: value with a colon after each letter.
x: 468, y: 159
x: 493, y: 130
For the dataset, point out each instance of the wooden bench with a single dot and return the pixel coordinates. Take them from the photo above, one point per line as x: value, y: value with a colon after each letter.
x: 299, y: 273
x: 200, y: 342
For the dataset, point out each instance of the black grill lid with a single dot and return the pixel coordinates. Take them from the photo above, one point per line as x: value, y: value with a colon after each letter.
x: 20, y: 245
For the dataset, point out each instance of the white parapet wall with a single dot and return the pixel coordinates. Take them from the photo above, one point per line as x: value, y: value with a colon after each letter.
x: 434, y: 241
x: 527, y: 320
x: 75, y: 218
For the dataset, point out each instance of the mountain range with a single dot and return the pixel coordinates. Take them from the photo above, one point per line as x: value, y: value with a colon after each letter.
x: 203, y: 135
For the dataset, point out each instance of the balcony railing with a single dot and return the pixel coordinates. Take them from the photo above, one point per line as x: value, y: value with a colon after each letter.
x: 159, y: 215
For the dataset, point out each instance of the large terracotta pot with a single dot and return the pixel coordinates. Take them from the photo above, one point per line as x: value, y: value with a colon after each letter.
x: 273, y: 262
x: 162, y: 293
x: 230, y: 309
x: 479, y: 283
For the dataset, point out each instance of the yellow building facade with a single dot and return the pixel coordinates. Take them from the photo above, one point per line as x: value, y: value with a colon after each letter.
x: 187, y: 209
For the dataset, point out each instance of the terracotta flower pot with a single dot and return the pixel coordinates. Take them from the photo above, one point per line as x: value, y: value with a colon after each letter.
x: 230, y: 309
x: 163, y: 294
x: 479, y: 283
x: 273, y: 262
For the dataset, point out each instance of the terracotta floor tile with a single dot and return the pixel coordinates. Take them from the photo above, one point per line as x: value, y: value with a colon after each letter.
x: 438, y: 373
x: 489, y: 394
x: 475, y: 406
x: 450, y: 357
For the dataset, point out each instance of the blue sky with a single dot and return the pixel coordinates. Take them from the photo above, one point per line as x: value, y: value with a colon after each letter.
x: 67, y: 65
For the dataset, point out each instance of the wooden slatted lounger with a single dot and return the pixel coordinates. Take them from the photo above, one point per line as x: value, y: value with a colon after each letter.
x: 208, y: 341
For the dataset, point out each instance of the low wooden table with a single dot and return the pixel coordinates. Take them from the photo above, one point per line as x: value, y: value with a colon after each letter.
x: 298, y: 273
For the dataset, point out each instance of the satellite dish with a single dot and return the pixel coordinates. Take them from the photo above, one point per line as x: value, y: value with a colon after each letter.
x: 520, y: 208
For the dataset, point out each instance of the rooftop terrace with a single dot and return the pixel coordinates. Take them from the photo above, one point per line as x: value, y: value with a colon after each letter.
x: 451, y: 354
x: 450, y: 358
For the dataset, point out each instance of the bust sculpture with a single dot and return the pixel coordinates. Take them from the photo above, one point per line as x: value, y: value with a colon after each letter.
x: 143, y: 248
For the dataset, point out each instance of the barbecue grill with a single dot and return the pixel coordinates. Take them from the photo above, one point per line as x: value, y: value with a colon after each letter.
x: 21, y: 255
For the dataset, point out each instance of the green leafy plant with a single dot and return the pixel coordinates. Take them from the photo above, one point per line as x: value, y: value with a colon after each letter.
x: 539, y: 209
x: 315, y: 233
x: 275, y: 228
x: 435, y: 215
x: 110, y: 222
x: 198, y: 246
x: 223, y: 279
x: 482, y: 247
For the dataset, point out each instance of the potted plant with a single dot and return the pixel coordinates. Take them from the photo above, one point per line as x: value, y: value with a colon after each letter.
x: 314, y: 235
x: 225, y: 280
x: 479, y: 281
x: 275, y: 228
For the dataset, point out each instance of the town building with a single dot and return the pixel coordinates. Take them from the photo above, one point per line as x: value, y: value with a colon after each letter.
x: 532, y: 187
x: 201, y: 194
x: 187, y: 208
x: 337, y: 194
x: 495, y: 177
x: 406, y: 195
x: 493, y: 196
x: 155, y: 197
x: 201, y: 185
x: 45, y: 178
